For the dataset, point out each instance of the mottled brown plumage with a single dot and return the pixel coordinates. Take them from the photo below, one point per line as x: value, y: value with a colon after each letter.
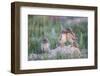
x: 45, y: 46
x: 67, y: 35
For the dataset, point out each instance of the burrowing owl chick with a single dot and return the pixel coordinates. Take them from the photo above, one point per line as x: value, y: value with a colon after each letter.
x: 45, y: 46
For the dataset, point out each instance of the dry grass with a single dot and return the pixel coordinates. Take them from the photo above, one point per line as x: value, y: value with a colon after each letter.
x: 60, y: 53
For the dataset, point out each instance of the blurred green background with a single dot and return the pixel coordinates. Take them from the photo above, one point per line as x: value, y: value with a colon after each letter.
x: 50, y: 26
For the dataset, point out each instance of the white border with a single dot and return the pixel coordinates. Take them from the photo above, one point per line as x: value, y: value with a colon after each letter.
x: 25, y: 64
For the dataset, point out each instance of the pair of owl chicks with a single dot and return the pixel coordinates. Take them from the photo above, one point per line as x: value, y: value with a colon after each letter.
x: 66, y: 35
